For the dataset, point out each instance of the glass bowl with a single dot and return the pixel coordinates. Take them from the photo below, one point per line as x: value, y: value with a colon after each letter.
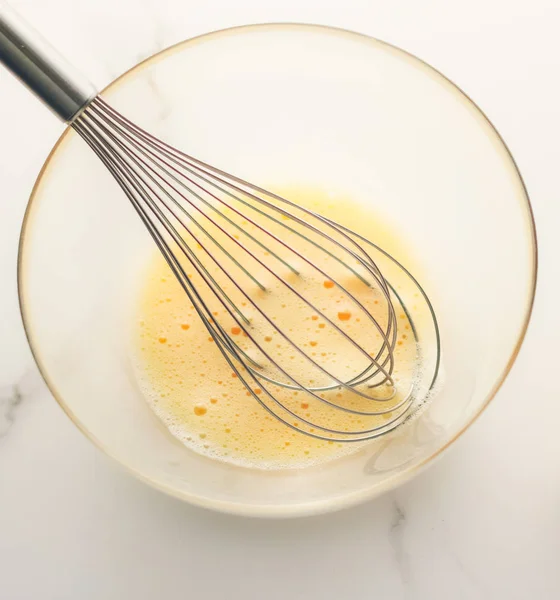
x: 285, y: 105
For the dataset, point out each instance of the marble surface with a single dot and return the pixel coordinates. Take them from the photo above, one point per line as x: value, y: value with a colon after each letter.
x: 483, y: 522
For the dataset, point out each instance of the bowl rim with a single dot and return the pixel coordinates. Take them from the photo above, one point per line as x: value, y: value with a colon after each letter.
x: 344, y: 500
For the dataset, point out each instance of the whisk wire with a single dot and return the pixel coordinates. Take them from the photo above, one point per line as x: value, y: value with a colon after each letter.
x: 169, y: 189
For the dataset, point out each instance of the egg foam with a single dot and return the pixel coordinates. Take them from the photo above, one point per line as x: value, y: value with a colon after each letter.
x: 192, y: 389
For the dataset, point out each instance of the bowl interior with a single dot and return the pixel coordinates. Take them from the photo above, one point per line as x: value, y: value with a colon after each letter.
x: 285, y: 105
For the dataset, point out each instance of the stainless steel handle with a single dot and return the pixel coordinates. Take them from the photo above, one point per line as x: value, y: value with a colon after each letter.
x: 41, y: 68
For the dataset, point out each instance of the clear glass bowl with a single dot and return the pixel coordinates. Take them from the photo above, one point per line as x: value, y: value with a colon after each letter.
x: 285, y: 105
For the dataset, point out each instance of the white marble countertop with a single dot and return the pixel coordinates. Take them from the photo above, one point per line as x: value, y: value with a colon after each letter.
x: 483, y: 522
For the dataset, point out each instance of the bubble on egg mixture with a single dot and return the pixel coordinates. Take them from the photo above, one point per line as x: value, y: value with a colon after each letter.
x: 194, y: 392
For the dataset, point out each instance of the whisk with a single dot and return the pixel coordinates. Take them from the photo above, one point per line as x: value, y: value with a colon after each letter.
x: 246, y: 257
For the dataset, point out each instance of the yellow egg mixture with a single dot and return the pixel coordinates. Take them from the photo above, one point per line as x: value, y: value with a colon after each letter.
x: 195, y: 393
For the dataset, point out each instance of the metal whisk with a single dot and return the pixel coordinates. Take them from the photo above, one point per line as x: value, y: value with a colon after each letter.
x: 245, y: 257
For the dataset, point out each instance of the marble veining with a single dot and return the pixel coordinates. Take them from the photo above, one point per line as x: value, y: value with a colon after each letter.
x: 397, y: 531
x: 10, y: 399
x: 12, y: 396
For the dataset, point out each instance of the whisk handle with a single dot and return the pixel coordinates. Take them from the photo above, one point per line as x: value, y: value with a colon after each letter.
x: 38, y: 65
